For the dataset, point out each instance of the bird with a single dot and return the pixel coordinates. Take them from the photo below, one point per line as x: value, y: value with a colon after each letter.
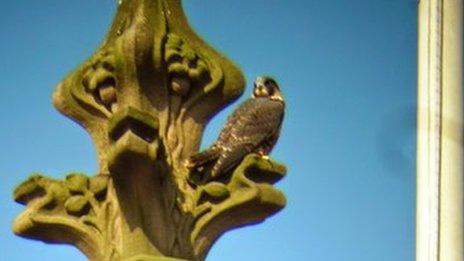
x: 253, y: 127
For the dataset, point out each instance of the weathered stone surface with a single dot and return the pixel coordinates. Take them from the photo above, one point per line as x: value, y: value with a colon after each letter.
x: 145, y: 98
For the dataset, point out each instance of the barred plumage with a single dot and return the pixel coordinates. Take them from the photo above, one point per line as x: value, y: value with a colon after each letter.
x: 253, y: 127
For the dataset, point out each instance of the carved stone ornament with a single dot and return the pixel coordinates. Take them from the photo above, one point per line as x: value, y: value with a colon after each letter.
x: 145, y: 98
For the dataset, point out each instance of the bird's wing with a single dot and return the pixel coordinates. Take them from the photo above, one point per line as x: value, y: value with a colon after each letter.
x: 203, y: 157
x: 241, y: 110
x: 258, y: 122
x: 261, y: 120
x: 214, y: 151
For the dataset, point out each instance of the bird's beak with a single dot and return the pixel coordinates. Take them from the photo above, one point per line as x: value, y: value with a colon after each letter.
x: 261, y: 90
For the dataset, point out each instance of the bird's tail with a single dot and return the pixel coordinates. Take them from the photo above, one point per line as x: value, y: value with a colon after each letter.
x: 203, y: 157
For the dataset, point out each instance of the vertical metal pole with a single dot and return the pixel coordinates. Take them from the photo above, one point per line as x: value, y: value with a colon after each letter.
x: 439, y: 225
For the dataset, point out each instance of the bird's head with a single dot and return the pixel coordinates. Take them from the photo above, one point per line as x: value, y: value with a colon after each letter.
x: 266, y: 87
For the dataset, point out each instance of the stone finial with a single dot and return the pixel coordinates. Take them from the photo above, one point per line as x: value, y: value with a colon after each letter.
x: 145, y: 98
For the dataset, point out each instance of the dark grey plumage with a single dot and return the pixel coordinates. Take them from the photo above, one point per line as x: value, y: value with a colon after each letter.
x: 253, y: 127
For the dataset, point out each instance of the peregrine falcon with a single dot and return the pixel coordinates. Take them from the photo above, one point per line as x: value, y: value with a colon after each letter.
x: 253, y: 127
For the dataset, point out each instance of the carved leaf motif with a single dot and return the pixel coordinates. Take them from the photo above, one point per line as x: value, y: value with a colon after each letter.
x: 94, y: 87
x: 98, y: 186
x: 77, y: 183
x: 77, y: 206
x: 216, y: 190
x: 145, y: 98
x: 29, y: 190
x: 252, y: 199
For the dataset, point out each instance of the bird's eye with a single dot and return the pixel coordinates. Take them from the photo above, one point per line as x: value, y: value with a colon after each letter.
x: 269, y: 89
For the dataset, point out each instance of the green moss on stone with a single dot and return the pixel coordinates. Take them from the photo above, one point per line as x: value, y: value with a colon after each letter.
x: 77, y: 182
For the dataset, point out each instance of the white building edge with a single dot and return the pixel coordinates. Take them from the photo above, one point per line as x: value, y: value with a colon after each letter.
x: 440, y: 157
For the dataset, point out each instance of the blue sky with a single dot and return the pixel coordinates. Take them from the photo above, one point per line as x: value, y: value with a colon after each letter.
x: 346, y: 68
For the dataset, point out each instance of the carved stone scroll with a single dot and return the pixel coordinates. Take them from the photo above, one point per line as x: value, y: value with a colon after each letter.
x: 145, y: 97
